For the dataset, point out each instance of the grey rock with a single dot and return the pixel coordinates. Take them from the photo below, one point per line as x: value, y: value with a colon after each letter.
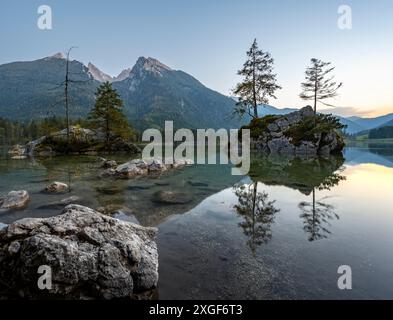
x: 276, y: 134
x: 130, y: 169
x: 140, y: 163
x: 282, y: 123
x: 15, y: 200
x: 17, y: 151
x: 57, y: 187
x: 306, y: 148
x: 92, y: 256
x: 110, y: 172
x: 107, y: 164
x: 281, y: 145
x: 19, y: 157
x: 171, y: 197
x: 273, y: 127
x: 157, y: 166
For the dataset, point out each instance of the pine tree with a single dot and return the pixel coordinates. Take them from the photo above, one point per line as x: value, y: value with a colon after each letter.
x: 319, y: 85
x: 259, y: 82
x: 107, y: 114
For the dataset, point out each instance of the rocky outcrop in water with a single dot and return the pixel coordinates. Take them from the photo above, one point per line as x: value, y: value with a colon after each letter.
x: 90, y: 255
x: 140, y: 167
x: 14, y: 200
x: 296, y: 133
x: 82, y: 141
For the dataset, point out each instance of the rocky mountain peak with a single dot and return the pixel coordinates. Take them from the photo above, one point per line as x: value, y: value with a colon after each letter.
x: 149, y: 64
x: 58, y: 55
x: 98, y: 74
x: 123, y: 75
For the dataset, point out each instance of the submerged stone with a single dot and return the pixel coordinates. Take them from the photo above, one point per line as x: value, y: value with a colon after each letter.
x: 171, y: 197
x: 15, y: 200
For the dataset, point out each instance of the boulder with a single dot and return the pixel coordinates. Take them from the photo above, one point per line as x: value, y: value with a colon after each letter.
x: 107, y: 164
x: 140, y: 163
x: 19, y: 157
x: 171, y: 197
x: 107, y: 173
x: 182, y: 163
x: 17, y: 150
x: 156, y: 166
x: 15, y: 200
x: 130, y: 169
x: 57, y: 187
x: 281, y: 145
x: 91, y: 256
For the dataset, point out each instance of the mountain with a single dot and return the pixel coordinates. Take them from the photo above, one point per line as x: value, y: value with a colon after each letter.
x: 100, y: 76
x: 152, y: 93
x: 32, y: 89
x: 370, y: 123
x: 386, y: 124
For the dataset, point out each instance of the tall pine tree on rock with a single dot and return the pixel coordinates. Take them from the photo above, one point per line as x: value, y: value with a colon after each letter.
x: 107, y: 115
x: 259, y: 83
x: 319, y: 84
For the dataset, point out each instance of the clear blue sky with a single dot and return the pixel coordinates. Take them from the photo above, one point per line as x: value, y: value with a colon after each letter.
x: 208, y: 39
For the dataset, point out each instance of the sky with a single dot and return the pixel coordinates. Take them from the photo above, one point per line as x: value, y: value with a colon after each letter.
x: 209, y: 39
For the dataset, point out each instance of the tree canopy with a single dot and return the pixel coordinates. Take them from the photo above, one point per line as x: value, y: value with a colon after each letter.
x: 259, y: 82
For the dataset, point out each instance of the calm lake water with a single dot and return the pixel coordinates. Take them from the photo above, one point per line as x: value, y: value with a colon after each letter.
x: 280, y: 232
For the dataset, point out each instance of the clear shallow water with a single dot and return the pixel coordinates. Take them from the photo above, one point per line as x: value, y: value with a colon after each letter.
x: 262, y: 236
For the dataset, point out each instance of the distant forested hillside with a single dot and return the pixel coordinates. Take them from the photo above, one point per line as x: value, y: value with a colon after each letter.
x: 381, y: 133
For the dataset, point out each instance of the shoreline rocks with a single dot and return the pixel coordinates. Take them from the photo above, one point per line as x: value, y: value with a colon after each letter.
x: 140, y: 167
x: 15, y: 200
x: 91, y: 256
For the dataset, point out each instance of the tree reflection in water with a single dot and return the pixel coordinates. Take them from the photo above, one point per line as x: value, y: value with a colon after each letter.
x: 258, y: 214
x: 306, y: 175
x: 317, y: 215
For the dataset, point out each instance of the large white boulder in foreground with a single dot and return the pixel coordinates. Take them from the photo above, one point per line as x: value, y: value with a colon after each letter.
x: 91, y: 256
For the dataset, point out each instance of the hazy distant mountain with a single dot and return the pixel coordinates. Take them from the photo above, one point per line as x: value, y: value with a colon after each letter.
x: 370, y: 123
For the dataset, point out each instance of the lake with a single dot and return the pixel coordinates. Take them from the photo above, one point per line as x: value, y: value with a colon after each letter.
x: 281, y: 232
